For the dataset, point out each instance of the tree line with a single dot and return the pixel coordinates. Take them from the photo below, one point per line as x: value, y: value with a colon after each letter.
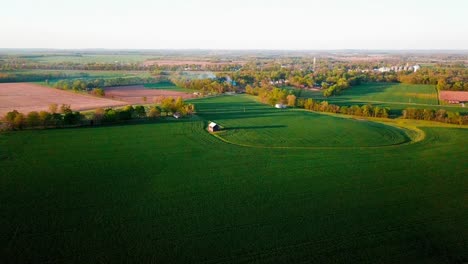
x: 64, y: 116
x: 37, y: 76
x: 88, y: 84
x: 205, y: 86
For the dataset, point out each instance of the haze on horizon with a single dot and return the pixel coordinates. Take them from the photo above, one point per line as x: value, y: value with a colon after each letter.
x: 242, y: 24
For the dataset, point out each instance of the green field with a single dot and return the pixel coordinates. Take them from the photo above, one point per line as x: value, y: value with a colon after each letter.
x: 396, y: 96
x: 248, y: 123
x: 392, y: 92
x: 169, y: 192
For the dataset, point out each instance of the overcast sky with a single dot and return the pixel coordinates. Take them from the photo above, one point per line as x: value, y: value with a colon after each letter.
x: 239, y: 24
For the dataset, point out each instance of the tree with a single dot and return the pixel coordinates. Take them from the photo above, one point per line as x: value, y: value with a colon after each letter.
x: 309, y: 104
x: 154, y: 112
x: 140, y: 111
x: 71, y: 118
x: 344, y: 110
x: 98, y: 115
x: 166, y: 104
x: 126, y: 113
x: 385, y: 111
x: 323, y: 106
x: 32, y: 119
x: 53, y: 108
x: 65, y: 109
x: 98, y: 92
x: 366, y: 110
x: 440, y: 115
x: 428, y: 114
x: 10, y: 118
x: 110, y: 115
x: 178, y: 105
x: 45, y: 118
x: 441, y: 84
x: 190, y: 109
x: 19, y: 121
x: 291, y: 100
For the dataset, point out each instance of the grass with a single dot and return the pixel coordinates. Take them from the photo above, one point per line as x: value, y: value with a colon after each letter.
x: 169, y: 192
x: 392, y: 92
x: 248, y: 123
x: 396, y: 96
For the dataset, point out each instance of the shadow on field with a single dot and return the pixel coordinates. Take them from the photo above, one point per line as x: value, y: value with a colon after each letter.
x: 365, y: 89
x: 256, y: 127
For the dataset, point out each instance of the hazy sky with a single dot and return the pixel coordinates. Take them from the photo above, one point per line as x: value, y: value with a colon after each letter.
x: 240, y: 24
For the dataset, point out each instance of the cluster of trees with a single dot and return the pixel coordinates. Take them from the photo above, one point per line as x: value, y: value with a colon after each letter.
x: 64, y: 116
x: 205, y: 86
x: 368, y: 110
x: 55, y: 117
x: 88, y: 84
x: 272, y: 95
x: 167, y: 107
x: 440, y: 115
x: 452, y: 79
x: 331, y: 81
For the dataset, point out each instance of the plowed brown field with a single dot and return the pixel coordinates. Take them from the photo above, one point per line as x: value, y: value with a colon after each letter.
x: 135, y: 94
x: 27, y: 97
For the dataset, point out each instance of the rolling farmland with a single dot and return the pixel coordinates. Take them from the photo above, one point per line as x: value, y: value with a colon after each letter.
x: 263, y: 126
x: 169, y: 192
x: 139, y: 94
x: 26, y: 97
x: 396, y: 96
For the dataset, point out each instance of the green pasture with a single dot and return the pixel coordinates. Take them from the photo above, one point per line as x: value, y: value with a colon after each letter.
x: 170, y: 192
x: 396, y: 96
x: 248, y: 122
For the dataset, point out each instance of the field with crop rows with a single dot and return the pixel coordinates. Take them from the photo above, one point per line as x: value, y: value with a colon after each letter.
x: 396, y: 96
x: 170, y: 192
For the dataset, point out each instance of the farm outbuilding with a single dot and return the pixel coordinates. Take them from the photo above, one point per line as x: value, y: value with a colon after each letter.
x: 213, y: 127
x: 280, y: 106
x: 176, y: 115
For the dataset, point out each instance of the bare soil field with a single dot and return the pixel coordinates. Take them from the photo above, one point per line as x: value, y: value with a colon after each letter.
x: 27, y: 97
x: 454, y: 96
x: 188, y: 62
x: 135, y: 94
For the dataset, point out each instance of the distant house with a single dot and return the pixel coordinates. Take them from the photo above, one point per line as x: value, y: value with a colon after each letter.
x: 213, y: 127
x: 176, y: 115
x: 280, y: 106
x: 416, y: 68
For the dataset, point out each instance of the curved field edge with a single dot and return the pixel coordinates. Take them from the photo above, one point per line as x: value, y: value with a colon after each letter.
x: 411, y: 133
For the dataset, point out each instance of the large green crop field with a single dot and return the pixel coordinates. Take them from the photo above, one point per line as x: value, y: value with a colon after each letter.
x: 396, y: 96
x: 169, y: 192
x: 392, y: 92
x: 248, y: 123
